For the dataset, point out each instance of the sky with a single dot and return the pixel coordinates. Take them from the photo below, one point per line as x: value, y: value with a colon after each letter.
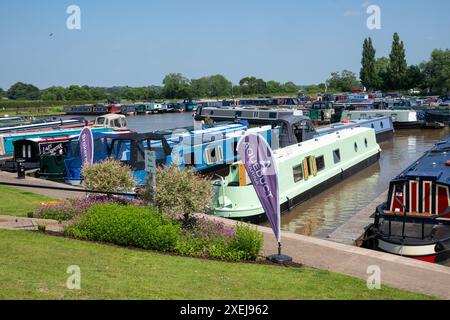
x: 138, y: 42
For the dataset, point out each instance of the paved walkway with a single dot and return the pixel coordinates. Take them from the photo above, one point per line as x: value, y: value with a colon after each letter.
x: 21, y: 223
x: 55, y: 194
x: 398, y: 272
x: 354, y: 228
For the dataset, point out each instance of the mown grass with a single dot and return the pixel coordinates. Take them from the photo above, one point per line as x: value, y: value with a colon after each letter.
x: 33, y: 266
x: 15, y: 202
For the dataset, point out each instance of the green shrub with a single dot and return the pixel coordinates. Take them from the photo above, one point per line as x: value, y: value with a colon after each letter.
x: 127, y: 226
x: 181, y: 191
x: 109, y: 175
x: 248, y: 241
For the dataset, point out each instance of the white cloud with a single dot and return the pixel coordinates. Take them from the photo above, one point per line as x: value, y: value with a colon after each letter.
x: 352, y: 13
x: 365, y: 4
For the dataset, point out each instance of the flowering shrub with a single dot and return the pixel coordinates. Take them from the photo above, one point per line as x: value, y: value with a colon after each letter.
x: 74, y: 208
x: 109, y: 175
x: 204, y: 238
x: 182, y: 192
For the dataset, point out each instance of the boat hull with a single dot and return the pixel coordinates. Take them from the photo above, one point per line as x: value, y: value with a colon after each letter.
x: 409, y: 124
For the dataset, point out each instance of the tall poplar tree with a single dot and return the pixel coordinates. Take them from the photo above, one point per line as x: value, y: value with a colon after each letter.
x: 368, y: 73
x: 397, y: 65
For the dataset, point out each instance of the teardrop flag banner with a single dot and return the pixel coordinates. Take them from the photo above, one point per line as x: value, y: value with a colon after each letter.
x: 259, y: 161
x: 86, y: 141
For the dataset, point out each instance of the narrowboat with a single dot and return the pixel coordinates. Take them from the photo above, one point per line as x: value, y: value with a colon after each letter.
x: 254, y: 115
x: 322, y: 112
x: 128, y: 109
x: 207, y: 150
x: 7, y: 140
x: 415, y: 220
x: 305, y: 169
x: 190, y: 105
x: 78, y: 110
x: 73, y: 162
x: 31, y: 150
x: 402, y: 119
x: 116, y: 122
x: 141, y: 108
x: 43, y: 125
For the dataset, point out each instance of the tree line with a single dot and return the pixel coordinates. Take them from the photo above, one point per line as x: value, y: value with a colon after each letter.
x: 175, y: 86
x: 393, y: 72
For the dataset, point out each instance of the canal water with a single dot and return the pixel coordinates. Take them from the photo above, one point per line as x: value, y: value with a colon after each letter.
x: 328, y: 210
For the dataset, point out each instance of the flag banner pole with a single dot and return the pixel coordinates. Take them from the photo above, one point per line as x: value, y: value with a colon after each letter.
x: 260, y: 164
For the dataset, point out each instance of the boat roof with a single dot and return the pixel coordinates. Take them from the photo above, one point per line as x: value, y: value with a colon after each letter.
x: 311, y: 145
x: 432, y: 165
x: 112, y: 116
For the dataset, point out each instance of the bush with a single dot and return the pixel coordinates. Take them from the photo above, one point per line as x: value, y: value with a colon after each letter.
x: 127, y: 226
x: 247, y: 241
x: 181, y: 191
x: 109, y: 175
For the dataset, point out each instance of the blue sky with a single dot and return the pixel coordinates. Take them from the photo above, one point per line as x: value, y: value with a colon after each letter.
x: 137, y: 42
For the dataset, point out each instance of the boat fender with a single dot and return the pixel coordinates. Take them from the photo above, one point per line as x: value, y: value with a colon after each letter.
x: 289, y: 201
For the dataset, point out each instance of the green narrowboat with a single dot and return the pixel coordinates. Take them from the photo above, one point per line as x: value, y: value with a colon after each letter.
x: 304, y: 169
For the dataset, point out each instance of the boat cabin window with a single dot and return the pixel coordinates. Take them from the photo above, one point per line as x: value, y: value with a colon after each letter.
x: 365, y: 142
x: 214, y: 155
x: 337, y: 156
x: 356, y: 147
x: 298, y: 173
x: 273, y: 115
x: 100, y: 120
x: 320, y: 163
x: 381, y: 124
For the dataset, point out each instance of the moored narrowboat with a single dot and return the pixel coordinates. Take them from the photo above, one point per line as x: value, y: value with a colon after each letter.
x: 415, y: 220
x: 31, y: 150
x: 402, y: 119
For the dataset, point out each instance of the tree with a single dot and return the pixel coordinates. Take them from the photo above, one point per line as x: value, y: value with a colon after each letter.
x: 343, y: 82
x: 176, y: 86
x: 290, y: 88
x: 368, y: 74
x: 437, y: 72
x: 415, y: 78
x: 397, y: 65
x: 252, y: 85
x: 23, y: 91
x: 211, y: 86
x: 77, y: 93
x: 2, y: 93
x: 382, y: 73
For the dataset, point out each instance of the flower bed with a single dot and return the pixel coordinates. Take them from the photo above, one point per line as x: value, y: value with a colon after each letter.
x: 147, y: 228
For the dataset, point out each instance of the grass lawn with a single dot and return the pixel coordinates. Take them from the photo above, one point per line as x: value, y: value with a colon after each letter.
x: 14, y: 202
x: 33, y: 266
